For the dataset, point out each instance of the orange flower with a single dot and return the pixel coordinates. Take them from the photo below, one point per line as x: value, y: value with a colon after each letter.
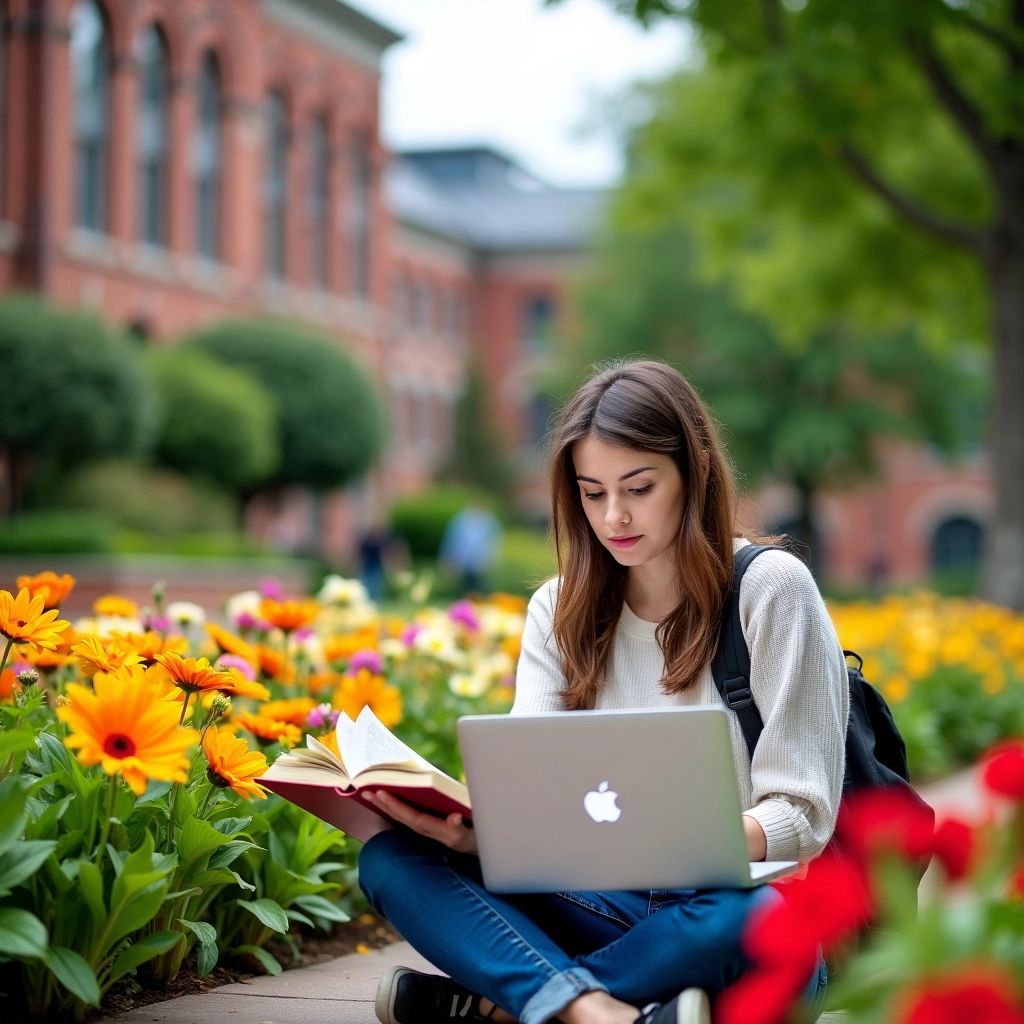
x: 340, y: 648
x: 266, y: 730
x: 294, y: 710
x: 274, y: 665
x: 46, y: 661
x: 232, y: 764
x: 318, y: 682
x: 289, y: 615
x: 363, y: 688
x: 23, y: 620
x: 194, y: 674
x: 330, y: 740
x: 54, y: 588
x: 9, y: 684
x: 116, y: 606
x: 229, y: 643
x: 236, y: 684
x: 508, y: 603
x: 124, y: 725
x: 148, y: 645
x: 102, y: 657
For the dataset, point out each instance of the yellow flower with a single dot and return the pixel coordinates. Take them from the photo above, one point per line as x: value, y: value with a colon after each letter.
x: 232, y: 764
x: 100, y: 657
x: 229, y: 643
x: 344, y: 645
x: 289, y: 615
x: 125, y: 725
x: 116, y: 606
x: 23, y: 620
x: 235, y: 683
x: 294, y: 710
x: 274, y: 665
x: 54, y: 588
x: 355, y: 692
x: 267, y: 730
x: 148, y: 645
x: 194, y: 674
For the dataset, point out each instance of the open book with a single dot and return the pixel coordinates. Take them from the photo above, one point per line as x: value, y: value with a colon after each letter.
x: 372, y: 757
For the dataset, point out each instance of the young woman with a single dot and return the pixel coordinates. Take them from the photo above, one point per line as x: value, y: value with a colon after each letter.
x: 643, y: 513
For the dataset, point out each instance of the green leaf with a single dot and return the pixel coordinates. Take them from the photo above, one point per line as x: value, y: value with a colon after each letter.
x: 202, y: 930
x: 22, y: 860
x: 298, y: 916
x: 196, y: 841
x: 13, y: 797
x: 16, y: 741
x: 232, y: 826
x: 206, y: 959
x: 142, y: 950
x: 229, y: 852
x: 269, y: 963
x: 71, y: 970
x: 22, y: 934
x: 321, y: 907
x: 270, y: 912
x: 90, y: 883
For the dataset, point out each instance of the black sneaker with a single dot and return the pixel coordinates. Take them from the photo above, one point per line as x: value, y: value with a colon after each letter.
x: 691, y: 1006
x: 405, y: 996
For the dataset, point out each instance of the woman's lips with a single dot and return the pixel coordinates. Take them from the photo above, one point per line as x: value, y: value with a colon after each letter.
x: 624, y: 542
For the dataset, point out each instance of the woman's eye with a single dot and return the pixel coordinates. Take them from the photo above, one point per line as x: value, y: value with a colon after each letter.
x: 641, y: 490
x: 593, y: 495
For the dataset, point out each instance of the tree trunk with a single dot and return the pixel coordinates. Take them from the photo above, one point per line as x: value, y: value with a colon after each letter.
x: 1003, y: 575
x: 806, y: 527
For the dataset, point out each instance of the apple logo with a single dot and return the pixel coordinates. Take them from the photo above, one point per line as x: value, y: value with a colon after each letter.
x: 600, y: 804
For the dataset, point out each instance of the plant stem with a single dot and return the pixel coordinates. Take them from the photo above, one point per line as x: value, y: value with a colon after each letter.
x: 105, y: 823
x: 184, y: 707
x: 206, y: 799
x: 7, y: 651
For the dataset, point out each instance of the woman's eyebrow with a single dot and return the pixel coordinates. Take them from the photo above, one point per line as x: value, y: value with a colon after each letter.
x: 625, y: 476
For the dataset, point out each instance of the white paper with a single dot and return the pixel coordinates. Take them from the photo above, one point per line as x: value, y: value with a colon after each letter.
x: 368, y: 742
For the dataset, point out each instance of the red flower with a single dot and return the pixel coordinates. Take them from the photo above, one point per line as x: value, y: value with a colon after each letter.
x: 1002, y: 769
x: 763, y: 996
x: 955, y: 844
x: 1016, y: 886
x: 875, y: 821
x: 979, y: 994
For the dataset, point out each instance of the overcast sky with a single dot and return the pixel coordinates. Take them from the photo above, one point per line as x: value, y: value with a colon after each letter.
x: 529, y: 80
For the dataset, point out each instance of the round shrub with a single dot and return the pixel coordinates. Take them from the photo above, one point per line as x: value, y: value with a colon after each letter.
x: 421, y: 518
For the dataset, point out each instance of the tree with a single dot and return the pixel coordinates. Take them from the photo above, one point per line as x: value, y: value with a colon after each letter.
x: 811, y: 415
x: 864, y: 158
x: 217, y: 422
x: 75, y: 391
x: 330, y: 420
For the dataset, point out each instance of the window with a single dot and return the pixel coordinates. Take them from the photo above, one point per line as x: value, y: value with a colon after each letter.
x: 360, y: 220
x: 424, y: 314
x: 400, y: 300
x: 90, y: 62
x: 957, y: 544
x: 207, y: 159
x: 151, y: 135
x: 319, y: 198
x: 275, y: 187
x: 538, y: 313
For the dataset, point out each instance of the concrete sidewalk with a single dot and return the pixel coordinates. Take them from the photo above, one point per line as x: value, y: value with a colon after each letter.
x: 342, y: 991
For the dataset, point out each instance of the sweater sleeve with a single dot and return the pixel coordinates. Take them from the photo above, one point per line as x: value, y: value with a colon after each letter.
x: 539, y: 676
x: 798, y: 681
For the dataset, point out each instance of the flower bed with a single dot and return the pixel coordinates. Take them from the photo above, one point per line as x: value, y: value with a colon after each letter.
x: 134, y: 835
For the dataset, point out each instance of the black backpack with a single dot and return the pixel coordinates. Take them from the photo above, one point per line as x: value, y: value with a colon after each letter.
x: 876, y: 756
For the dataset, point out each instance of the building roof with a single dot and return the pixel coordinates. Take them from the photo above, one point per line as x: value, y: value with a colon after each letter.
x: 478, y: 197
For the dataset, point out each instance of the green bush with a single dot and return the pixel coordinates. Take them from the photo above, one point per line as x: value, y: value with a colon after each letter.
x: 197, y: 545
x: 57, y: 533
x: 153, y: 501
x: 329, y: 417
x: 526, y: 559
x: 217, y: 422
x: 421, y: 518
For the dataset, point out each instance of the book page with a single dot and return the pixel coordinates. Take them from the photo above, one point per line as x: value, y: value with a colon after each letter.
x: 370, y: 743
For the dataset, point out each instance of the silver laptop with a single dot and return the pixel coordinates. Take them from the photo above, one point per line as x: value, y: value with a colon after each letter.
x: 600, y: 800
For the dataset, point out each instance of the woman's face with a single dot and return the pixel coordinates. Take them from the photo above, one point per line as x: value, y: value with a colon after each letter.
x: 633, y: 500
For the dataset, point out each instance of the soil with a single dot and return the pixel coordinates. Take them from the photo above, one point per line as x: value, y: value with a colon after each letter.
x: 359, y: 935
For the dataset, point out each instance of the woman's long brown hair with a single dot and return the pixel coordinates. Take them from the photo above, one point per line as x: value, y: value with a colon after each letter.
x: 647, y: 406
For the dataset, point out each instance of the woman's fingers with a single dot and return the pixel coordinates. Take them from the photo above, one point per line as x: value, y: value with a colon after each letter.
x: 450, y: 831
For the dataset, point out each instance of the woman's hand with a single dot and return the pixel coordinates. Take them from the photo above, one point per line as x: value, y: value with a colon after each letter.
x: 757, y: 843
x: 450, y: 831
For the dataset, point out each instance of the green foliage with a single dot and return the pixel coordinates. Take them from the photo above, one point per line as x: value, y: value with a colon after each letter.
x: 57, y: 533
x: 77, y: 390
x: 421, y: 518
x: 158, y: 502
x: 526, y: 559
x: 330, y: 419
x: 218, y: 422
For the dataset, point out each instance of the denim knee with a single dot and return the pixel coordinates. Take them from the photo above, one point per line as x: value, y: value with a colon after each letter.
x: 387, y: 859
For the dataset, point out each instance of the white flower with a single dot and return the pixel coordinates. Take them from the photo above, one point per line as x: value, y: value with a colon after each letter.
x: 339, y: 591
x: 464, y: 684
x: 308, y: 647
x: 499, y: 624
x: 185, y: 614
x: 245, y: 602
x: 438, y: 644
x: 105, y: 625
x: 393, y: 649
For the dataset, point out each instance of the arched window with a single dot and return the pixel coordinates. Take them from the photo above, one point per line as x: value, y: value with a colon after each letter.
x: 90, y: 64
x: 207, y: 159
x: 152, y: 135
x: 275, y: 188
x: 319, y: 198
x: 956, y: 544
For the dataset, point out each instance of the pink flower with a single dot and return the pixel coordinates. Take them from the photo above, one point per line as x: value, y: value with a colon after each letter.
x: 410, y: 633
x: 370, y: 660
x: 465, y: 614
x: 237, y: 661
x: 323, y: 716
x: 271, y: 586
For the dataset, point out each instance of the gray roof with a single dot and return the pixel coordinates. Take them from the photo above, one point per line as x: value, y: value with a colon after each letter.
x: 480, y: 198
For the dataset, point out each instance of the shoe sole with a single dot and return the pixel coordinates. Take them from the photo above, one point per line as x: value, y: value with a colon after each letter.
x: 692, y: 1007
x: 387, y: 989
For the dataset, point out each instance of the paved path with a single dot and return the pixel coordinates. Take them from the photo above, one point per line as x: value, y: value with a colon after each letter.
x: 341, y: 991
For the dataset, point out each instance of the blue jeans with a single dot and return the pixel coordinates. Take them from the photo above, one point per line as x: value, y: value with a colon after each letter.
x: 534, y: 954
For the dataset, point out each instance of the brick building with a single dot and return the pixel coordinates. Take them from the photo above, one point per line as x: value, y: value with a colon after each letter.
x: 173, y: 162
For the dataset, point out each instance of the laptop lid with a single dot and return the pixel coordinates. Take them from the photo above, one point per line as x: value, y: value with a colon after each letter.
x: 638, y: 799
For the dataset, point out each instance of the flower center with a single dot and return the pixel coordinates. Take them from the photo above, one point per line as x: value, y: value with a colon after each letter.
x: 119, y: 745
x: 217, y: 780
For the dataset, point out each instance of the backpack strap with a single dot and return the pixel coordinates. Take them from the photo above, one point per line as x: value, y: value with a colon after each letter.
x: 731, y: 663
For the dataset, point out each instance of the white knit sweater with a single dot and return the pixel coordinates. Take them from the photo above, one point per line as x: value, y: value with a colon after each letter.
x: 798, y: 681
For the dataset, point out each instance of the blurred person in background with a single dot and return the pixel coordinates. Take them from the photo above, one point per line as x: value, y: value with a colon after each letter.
x: 469, y: 547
